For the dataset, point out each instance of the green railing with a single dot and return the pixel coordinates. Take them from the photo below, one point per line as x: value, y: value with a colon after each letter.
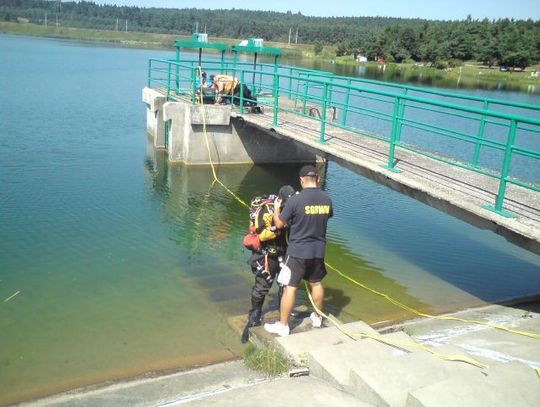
x: 493, y: 137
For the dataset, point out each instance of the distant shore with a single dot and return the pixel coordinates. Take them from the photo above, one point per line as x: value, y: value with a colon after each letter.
x: 470, y: 70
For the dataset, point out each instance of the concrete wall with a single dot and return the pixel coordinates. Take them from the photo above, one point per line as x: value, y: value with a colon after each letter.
x: 230, y: 140
x: 155, y: 125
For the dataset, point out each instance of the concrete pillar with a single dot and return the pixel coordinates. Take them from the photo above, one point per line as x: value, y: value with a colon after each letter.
x: 180, y: 132
x: 155, y: 125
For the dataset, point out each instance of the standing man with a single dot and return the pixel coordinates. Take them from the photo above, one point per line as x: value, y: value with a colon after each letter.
x: 306, y: 215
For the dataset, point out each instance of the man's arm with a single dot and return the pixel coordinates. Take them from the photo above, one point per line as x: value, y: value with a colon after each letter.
x: 219, y: 90
x: 277, y: 211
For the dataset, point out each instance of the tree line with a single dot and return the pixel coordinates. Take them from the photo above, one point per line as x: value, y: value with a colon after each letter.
x: 513, y: 43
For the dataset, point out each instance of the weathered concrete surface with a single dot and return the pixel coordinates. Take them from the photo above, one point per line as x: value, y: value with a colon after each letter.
x: 155, y: 125
x: 403, y: 374
x: 457, y: 191
x: 197, y: 131
x: 347, y: 372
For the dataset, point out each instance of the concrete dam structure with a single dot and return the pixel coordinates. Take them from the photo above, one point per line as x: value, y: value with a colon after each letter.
x: 231, y: 139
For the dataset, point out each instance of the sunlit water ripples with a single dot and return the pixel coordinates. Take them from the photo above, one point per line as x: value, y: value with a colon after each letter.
x: 126, y: 264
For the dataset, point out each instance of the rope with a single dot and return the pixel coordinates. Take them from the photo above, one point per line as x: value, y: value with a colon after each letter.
x: 441, y: 317
x: 216, y: 179
x: 395, y: 342
x: 387, y: 297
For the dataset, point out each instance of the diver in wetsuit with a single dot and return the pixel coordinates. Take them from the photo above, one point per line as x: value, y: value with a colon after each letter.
x: 265, y: 264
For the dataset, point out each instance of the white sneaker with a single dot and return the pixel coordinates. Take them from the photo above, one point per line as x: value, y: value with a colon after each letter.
x: 277, y: 328
x: 316, y: 320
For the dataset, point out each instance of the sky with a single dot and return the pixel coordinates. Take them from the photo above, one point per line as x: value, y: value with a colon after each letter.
x: 425, y: 9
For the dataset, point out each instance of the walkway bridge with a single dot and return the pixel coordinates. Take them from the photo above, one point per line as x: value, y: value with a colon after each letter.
x: 475, y: 158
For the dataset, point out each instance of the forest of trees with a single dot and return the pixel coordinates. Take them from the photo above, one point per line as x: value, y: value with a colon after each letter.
x: 506, y: 42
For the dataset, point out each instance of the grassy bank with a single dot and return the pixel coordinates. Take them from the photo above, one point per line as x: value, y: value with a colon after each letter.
x: 128, y: 39
x: 469, y: 71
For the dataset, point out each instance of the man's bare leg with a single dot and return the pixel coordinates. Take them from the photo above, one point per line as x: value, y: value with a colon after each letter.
x: 317, y: 293
x: 287, y: 304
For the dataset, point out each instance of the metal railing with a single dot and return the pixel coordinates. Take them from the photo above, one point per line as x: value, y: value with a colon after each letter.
x: 492, y: 137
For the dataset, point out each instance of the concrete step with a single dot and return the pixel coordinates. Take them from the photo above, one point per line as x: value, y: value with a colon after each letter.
x: 503, y: 384
x: 387, y: 382
x: 298, y: 346
x: 334, y: 363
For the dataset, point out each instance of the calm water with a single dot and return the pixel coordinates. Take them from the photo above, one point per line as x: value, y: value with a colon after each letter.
x: 125, y: 264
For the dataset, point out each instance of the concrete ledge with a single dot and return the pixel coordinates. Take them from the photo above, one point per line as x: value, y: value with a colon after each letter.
x: 211, y: 115
x: 298, y: 346
x: 510, y: 384
x: 155, y: 124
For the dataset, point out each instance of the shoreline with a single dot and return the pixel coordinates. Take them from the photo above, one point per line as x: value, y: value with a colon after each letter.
x: 475, y: 74
x: 162, y: 374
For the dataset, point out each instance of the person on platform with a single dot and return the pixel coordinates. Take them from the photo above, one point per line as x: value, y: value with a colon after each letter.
x: 265, y: 265
x: 306, y: 215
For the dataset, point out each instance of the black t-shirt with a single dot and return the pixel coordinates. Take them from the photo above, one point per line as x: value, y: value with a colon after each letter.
x: 307, y: 215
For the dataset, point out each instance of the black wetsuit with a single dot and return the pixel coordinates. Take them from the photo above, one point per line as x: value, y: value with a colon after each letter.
x: 265, y: 265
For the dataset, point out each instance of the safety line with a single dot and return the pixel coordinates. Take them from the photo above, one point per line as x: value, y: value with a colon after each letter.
x: 387, y: 297
x: 208, y: 145
x: 394, y: 342
x: 439, y: 317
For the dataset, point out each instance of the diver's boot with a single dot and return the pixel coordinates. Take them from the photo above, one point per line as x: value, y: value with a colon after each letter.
x: 254, y: 319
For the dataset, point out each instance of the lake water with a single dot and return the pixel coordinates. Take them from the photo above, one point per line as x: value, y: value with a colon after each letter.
x: 125, y: 264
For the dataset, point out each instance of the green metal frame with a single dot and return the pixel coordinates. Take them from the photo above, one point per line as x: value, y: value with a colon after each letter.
x: 393, y: 105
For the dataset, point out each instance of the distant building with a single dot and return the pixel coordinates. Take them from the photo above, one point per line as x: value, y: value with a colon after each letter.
x: 361, y: 58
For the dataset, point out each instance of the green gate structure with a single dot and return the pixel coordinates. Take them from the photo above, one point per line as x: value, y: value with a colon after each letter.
x: 481, y: 135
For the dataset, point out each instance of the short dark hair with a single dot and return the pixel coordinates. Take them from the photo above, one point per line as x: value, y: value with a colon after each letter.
x: 308, y: 171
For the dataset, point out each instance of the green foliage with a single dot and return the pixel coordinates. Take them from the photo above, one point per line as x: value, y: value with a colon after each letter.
x: 267, y: 360
x: 317, y: 48
x: 454, y: 63
x: 440, y: 65
x: 514, y: 43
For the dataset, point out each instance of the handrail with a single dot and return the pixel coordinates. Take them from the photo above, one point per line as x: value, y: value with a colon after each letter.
x: 397, y: 117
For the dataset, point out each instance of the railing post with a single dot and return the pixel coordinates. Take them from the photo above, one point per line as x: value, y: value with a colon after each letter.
x: 168, y: 81
x: 290, y: 82
x: 346, y: 102
x: 276, y: 99
x: 322, y: 139
x: 177, y: 76
x: 149, y: 82
x: 304, y: 102
x: 498, y: 208
x: 480, y: 136
x: 297, y: 90
x: 330, y: 88
x: 241, y: 93
x: 401, y: 114
x: 194, y: 87
x: 395, y: 135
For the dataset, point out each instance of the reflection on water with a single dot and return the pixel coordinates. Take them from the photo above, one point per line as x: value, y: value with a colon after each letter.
x: 127, y: 264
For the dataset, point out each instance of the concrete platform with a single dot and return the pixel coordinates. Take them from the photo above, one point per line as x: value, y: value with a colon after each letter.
x: 347, y: 372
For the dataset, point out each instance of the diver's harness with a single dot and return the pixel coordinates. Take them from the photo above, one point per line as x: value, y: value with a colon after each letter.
x: 264, y: 239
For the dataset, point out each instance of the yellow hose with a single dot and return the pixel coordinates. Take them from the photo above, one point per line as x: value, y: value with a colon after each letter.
x: 442, y: 317
x: 387, y: 297
x: 395, y: 342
